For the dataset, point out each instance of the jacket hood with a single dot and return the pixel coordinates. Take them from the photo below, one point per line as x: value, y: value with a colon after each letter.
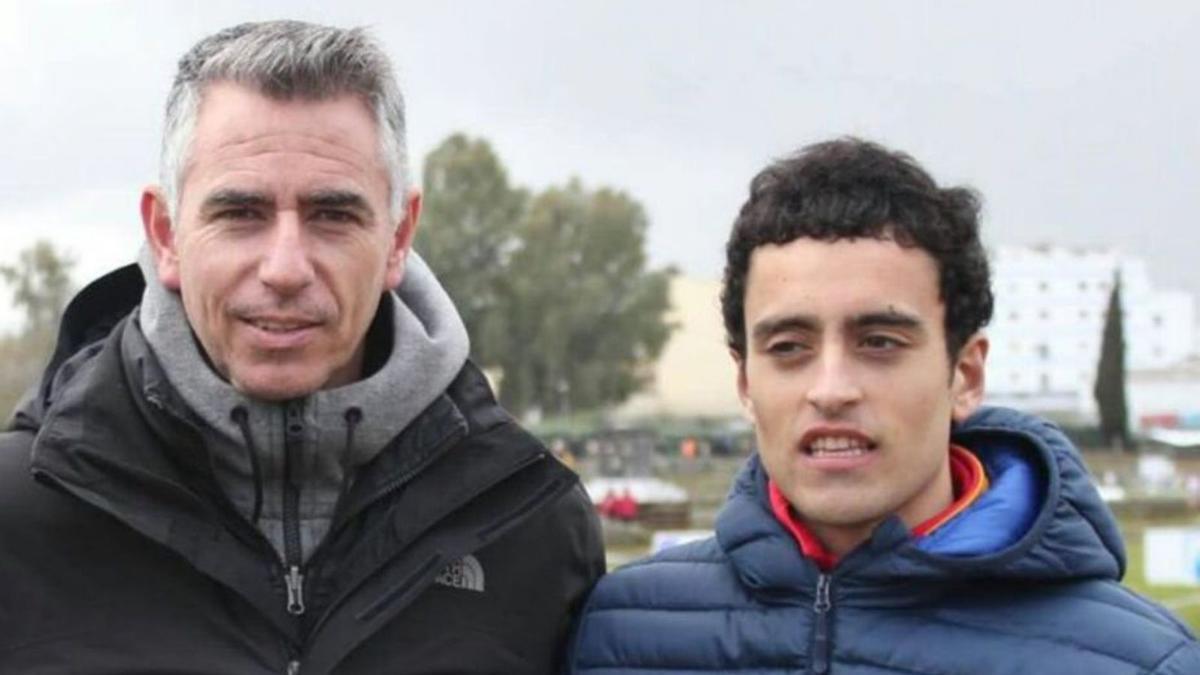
x: 89, y: 317
x: 1041, y: 519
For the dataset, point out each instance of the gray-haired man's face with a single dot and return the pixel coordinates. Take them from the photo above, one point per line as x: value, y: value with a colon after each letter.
x: 283, y: 243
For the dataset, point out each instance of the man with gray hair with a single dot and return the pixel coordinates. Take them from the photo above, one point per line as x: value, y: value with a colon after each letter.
x: 252, y: 455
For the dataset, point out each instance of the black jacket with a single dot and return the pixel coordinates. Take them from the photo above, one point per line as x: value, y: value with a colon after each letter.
x: 463, y: 547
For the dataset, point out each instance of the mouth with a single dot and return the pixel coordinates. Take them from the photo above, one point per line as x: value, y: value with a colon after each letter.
x: 279, y: 326
x: 836, y: 444
x: 273, y: 333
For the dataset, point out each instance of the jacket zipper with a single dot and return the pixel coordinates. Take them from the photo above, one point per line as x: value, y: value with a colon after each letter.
x: 293, y: 577
x: 820, y: 642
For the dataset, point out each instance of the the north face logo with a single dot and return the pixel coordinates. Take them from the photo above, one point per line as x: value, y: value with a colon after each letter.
x: 465, y: 573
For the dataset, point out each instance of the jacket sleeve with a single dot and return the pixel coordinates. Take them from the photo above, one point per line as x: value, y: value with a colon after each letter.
x: 572, y: 649
x: 589, y: 556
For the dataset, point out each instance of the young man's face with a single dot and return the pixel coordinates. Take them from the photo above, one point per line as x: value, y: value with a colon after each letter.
x: 847, y: 380
x: 284, y: 242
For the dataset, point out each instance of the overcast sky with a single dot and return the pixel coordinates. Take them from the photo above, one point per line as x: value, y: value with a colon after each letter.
x: 1078, y: 121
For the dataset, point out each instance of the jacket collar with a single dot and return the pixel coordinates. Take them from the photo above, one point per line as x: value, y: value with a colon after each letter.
x: 1067, y: 534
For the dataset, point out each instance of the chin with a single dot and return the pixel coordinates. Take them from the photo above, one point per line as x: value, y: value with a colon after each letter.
x: 836, y: 511
x: 277, y: 388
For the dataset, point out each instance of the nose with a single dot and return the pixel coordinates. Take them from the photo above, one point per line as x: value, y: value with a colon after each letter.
x: 285, y: 266
x: 835, y: 387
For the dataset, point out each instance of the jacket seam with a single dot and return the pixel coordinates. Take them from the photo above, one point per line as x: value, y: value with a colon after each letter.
x: 995, y: 630
x: 1168, y: 656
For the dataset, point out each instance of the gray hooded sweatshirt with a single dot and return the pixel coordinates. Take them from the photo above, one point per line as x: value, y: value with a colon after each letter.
x: 337, y: 430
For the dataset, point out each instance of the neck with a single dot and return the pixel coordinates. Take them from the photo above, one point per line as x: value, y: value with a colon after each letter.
x: 933, y: 498
x: 841, y: 539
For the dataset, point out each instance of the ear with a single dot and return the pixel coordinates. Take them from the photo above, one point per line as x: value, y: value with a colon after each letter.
x: 743, y: 386
x: 966, y: 388
x: 402, y: 239
x: 160, y: 235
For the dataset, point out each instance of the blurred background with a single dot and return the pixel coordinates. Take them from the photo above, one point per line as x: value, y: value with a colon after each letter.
x: 583, y: 162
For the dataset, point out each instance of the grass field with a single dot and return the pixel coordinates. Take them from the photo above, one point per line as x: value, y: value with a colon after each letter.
x: 1184, y: 601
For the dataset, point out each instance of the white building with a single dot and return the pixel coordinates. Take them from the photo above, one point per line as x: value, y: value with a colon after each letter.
x: 1165, y: 398
x: 1046, y: 330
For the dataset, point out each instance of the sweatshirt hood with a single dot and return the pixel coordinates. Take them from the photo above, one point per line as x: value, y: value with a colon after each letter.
x: 314, y: 444
x: 429, y: 345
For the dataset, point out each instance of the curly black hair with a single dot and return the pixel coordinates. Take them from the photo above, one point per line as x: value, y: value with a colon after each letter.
x: 849, y: 188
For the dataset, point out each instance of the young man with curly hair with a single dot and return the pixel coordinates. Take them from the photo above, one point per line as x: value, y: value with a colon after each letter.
x: 887, y: 523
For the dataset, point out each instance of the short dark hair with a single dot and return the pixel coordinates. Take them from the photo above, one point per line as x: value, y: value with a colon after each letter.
x: 849, y: 188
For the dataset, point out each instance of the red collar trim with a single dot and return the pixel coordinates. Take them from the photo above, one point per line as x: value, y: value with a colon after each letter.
x: 969, y: 480
x: 810, y: 546
x: 966, y: 474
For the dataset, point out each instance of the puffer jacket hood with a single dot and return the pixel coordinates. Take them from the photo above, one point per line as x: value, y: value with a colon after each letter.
x: 1042, y: 519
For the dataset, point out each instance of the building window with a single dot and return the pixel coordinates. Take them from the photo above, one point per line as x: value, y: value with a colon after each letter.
x: 1043, y: 286
x: 1014, y: 316
x: 1043, y: 351
x: 1157, y: 320
x: 1045, y: 382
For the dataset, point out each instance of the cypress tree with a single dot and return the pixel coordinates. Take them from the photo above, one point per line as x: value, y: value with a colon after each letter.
x: 1110, y: 374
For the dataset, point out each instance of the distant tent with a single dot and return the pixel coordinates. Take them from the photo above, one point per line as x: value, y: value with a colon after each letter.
x: 1179, y: 439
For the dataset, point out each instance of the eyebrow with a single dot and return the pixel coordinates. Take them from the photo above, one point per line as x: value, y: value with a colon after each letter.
x: 329, y: 199
x: 230, y: 197
x: 889, y: 318
x: 337, y: 199
x: 772, y: 326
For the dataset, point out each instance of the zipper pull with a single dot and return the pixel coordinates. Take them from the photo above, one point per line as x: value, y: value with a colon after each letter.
x: 295, y: 590
x: 821, y: 607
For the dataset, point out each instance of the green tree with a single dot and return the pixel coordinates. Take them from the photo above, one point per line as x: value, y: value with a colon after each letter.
x: 1110, y: 374
x: 41, y: 286
x: 585, y: 318
x: 40, y: 282
x: 554, y: 289
x: 468, y: 232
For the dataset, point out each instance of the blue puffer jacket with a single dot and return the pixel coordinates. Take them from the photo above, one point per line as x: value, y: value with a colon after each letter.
x: 1023, y: 581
